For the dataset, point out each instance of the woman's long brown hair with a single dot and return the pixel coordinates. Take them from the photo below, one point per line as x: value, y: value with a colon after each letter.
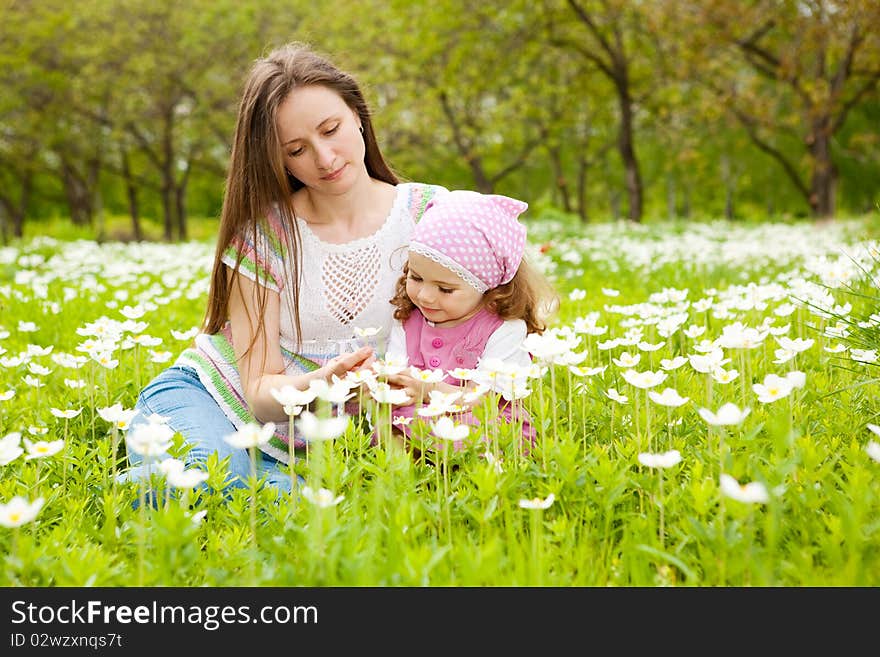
x: 257, y: 180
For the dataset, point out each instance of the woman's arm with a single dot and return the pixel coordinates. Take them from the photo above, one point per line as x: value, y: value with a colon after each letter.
x: 261, y: 368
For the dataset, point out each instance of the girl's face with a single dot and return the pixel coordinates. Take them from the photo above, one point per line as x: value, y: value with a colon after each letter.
x: 320, y: 136
x: 440, y: 294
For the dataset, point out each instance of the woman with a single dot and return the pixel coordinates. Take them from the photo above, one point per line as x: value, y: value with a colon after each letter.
x: 311, y: 231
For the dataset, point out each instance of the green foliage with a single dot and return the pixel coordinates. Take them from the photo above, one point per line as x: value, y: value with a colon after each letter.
x: 405, y: 522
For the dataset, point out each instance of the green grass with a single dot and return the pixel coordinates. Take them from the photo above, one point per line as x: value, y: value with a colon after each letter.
x: 405, y: 523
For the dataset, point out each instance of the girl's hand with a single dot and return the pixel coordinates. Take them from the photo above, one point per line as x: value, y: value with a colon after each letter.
x: 416, y: 390
x: 344, y: 363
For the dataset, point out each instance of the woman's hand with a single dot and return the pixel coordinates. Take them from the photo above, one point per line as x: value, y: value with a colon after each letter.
x: 344, y: 363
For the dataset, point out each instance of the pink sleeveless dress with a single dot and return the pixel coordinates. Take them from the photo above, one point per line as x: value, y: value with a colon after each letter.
x: 448, y: 348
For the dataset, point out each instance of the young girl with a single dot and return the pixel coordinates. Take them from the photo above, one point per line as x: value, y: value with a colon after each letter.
x: 466, y: 299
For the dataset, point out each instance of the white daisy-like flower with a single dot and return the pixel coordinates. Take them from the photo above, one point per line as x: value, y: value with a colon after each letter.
x: 321, y: 498
x: 612, y: 393
x: 669, y: 397
x: 728, y: 414
x: 315, y: 428
x: 537, y: 502
x: 662, y: 460
x: 752, y: 493
x: 18, y: 511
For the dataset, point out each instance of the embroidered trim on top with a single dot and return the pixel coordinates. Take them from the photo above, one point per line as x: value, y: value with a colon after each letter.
x: 449, y: 263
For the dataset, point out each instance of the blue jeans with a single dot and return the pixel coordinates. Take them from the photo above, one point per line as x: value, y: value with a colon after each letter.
x: 178, y: 394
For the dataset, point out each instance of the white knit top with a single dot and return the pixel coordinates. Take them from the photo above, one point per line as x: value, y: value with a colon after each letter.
x: 342, y: 287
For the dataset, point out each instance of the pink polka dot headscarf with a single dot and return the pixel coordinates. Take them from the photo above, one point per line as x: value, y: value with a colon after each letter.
x: 475, y: 235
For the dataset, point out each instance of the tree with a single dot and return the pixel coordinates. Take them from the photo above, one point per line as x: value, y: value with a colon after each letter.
x: 809, y: 63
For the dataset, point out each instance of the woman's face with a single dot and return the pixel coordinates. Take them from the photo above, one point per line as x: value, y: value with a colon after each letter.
x: 320, y: 135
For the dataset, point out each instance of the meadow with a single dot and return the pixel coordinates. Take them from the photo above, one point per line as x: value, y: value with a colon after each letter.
x: 705, y: 400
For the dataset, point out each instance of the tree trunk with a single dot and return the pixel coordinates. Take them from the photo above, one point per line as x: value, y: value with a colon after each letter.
x: 582, y: 190
x: 559, y: 176
x: 727, y: 179
x: 481, y: 180
x: 824, y: 175
x: 670, y: 196
x: 78, y: 195
x: 168, y: 207
x: 132, y: 194
x: 4, y: 234
x: 632, y: 176
x: 180, y: 198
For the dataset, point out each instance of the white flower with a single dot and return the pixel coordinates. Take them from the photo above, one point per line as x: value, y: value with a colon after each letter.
x: 729, y: 413
x: 199, y: 516
x: 337, y: 392
x: 291, y: 396
x: 693, y: 331
x: 495, y: 462
x: 796, y: 379
x: 366, y: 332
x: 646, y: 379
x: 873, y: 450
x: 105, y: 359
x: 647, y: 346
x: 39, y: 370
x: 426, y: 376
x: 118, y: 416
x: 577, y: 294
x: 10, y: 448
x: 19, y: 511
x: 863, y: 355
x: 160, y: 356
x: 250, y: 435
x: 132, y: 313
x: 180, y: 478
x: 578, y: 370
x: 67, y: 415
x: 446, y: 429
x: 42, y: 448
x: 669, y: 397
x: 322, y: 498
x: 627, y: 360
x: 722, y: 375
x: 796, y: 345
x: 783, y: 355
x: 537, y: 502
x: 774, y: 387
x: 754, y: 492
x: 384, y: 394
x: 185, y: 335
x: 709, y: 361
x: 610, y: 292
x: 673, y: 363
x: 612, y: 393
x: 390, y: 365
x: 171, y: 464
x: 662, y: 460
x: 9, y: 394
x: 150, y: 439
x: 314, y: 428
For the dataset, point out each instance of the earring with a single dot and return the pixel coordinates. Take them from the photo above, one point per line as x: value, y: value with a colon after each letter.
x: 361, y: 128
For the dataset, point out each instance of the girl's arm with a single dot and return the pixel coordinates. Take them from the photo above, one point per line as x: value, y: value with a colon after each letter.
x: 261, y: 368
